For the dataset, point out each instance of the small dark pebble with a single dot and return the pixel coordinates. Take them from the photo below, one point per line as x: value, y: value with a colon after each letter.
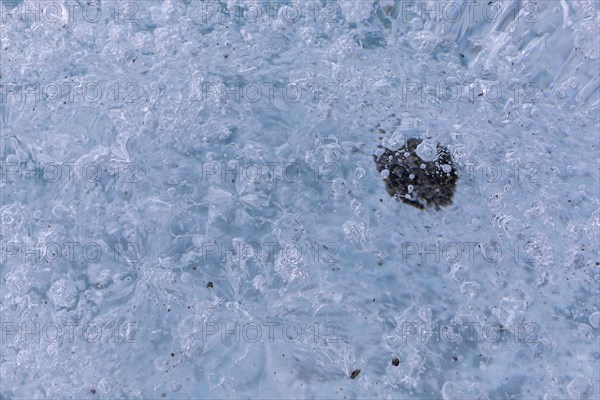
x: 395, y: 361
x: 172, y: 354
x: 209, y: 285
x: 455, y: 358
x: 431, y: 186
x: 355, y: 373
x: 93, y: 391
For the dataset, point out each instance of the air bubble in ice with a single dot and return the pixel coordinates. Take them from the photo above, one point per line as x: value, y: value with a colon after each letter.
x: 426, y: 151
x: 585, y: 332
x: 595, y: 319
x: 360, y: 172
x: 459, y: 273
x: 470, y: 289
x: 580, y: 388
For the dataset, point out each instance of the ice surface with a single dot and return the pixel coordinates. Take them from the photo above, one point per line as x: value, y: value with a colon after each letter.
x: 150, y: 147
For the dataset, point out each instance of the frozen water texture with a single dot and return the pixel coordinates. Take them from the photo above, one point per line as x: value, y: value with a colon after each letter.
x: 314, y: 270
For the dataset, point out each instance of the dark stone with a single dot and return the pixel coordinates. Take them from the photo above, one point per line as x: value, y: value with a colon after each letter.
x: 432, y: 186
x: 395, y: 361
x: 355, y: 373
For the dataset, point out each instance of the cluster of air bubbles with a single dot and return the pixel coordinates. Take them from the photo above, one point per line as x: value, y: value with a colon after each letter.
x: 354, y: 231
x: 359, y: 173
x: 359, y: 210
x: 338, y: 187
x: 63, y: 293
